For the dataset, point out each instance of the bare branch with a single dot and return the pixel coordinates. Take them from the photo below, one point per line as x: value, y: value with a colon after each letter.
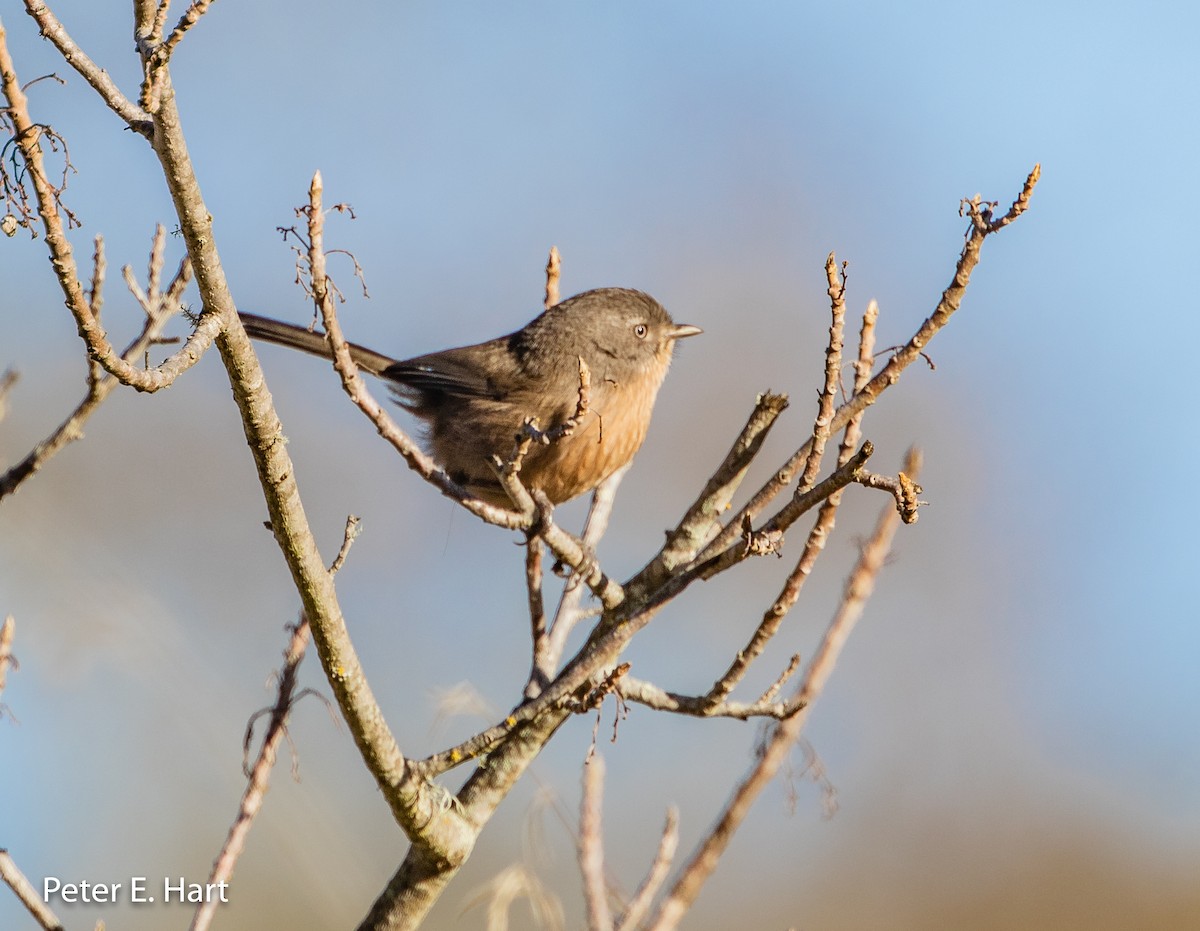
x: 553, y: 270
x: 186, y: 22
x: 134, y: 116
x: 1019, y: 206
x: 7, y: 632
x: 591, y: 847
x: 950, y: 301
x: 571, y: 551
x: 356, y: 388
x: 817, y: 537
x: 704, y: 515
x: 8, y: 381
x: 159, y: 312
x: 768, y: 538
x: 780, y: 681
x: 24, y: 891
x: 859, y: 586
x: 259, y: 775
x: 568, y: 613
x: 702, y: 706
x: 537, y: 616
x: 349, y: 535
x: 902, y: 488
x: 639, y: 905
x: 62, y: 257
x: 99, y: 271
x: 822, y: 423
x: 159, y: 22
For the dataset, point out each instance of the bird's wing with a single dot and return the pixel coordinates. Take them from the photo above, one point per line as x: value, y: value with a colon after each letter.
x: 461, y: 372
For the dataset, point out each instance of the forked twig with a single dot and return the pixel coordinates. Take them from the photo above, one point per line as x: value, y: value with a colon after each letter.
x: 782, y: 738
x: 159, y: 306
x: 259, y: 774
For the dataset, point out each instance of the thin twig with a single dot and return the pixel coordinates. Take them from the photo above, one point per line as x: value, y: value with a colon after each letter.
x: 258, y: 778
x: 553, y: 271
x: 349, y: 535
x: 823, y: 422
x: 159, y: 312
x: 134, y: 116
x: 702, y: 706
x: 567, y: 548
x: 643, y: 898
x: 949, y: 303
x: 28, y: 896
x: 537, y: 615
x: 190, y: 17
x: 355, y: 387
x: 780, y: 681
x: 782, y: 738
x: 63, y: 259
x: 99, y: 271
x: 768, y: 538
x: 818, y: 536
x: 8, y: 381
x: 7, y: 632
x: 902, y: 488
x: 568, y: 613
x: 259, y: 775
x: 160, y: 20
x: 591, y: 847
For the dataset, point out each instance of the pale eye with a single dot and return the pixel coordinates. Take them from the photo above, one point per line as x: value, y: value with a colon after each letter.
x: 641, y: 330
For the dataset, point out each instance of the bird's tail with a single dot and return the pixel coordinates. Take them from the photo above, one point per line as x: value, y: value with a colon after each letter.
x: 298, y: 337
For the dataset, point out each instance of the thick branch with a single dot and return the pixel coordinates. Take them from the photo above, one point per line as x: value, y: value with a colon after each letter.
x: 436, y: 831
x: 704, y: 515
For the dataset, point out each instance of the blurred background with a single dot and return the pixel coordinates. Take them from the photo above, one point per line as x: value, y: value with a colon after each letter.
x: 1013, y: 732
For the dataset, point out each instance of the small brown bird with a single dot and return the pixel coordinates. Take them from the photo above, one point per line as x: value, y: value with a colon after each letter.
x: 474, y: 399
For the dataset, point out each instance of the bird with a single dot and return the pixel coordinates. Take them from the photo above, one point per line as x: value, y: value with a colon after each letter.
x: 474, y: 400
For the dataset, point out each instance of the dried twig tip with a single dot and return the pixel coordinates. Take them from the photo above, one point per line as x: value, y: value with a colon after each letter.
x: 553, y: 269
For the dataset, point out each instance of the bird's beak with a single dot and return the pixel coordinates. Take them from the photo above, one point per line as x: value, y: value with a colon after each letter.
x: 680, y: 330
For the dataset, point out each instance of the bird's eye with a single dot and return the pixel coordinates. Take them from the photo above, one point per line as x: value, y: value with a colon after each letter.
x: 641, y: 330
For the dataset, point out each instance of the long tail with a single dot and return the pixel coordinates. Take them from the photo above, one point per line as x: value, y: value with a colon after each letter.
x: 297, y: 337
